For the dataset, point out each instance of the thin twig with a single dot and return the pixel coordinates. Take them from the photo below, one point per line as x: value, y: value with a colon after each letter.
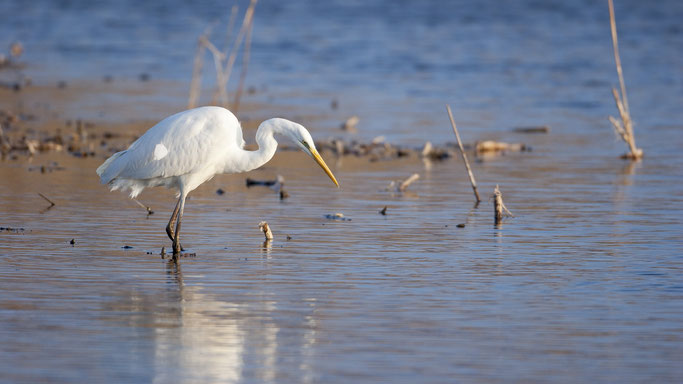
x: 245, y: 66
x: 231, y: 25
x: 248, y: 15
x: 617, y: 59
x: 52, y: 204
x: 464, y: 156
x: 148, y: 209
x: 196, y: 84
x: 625, y: 129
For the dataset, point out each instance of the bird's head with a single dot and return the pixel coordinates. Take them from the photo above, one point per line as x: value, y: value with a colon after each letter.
x: 302, y: 138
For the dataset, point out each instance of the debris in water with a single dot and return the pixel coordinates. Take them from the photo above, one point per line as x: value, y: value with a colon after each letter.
x: 11, y: 229
x: 265, y: 228
x: 148, y: 209
x: 431, y: 153
x: 265, y: 183
x: 383, y: 211
x: 220, y: 192
x: 499, y: 208
x: 350, y: 124
x: 462, y: 225
x: 127, y: 247
x: 499, y: 146
x: 52, y: 204
x: 405, y: 183
x: 72, y: 242
x: 537, y: 129
x: 337, y: 216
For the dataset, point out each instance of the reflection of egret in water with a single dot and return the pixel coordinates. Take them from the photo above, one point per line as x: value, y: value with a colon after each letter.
x: 217, y: 340
x: 207, y: 344
x: 205, y: 327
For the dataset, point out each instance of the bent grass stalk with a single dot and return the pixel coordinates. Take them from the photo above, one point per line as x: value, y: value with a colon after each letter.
x: 623, y: 128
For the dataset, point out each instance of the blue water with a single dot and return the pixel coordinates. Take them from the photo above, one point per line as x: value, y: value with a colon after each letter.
x: 582, y: 285
x: 392, y: 63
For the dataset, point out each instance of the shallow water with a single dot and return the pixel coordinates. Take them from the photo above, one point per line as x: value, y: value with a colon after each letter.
x: 582, y: 285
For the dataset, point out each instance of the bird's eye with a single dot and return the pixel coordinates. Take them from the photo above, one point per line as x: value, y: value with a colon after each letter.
x: 305, y: 144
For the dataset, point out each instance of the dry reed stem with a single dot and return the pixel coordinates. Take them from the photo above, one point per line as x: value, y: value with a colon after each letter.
x: 625, y: 128
x: 246, y: 54
x: 248, y: 16
x: 222, y: 73
x: 231, y: 25
x: 196, y: 83
x: 499, y: 208
x: 265, y: 228
x: 218, y: 57
x: 464, y: 156
x: 617, y: 58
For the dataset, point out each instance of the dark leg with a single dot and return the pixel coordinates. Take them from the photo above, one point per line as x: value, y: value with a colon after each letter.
x: 172, y: 221
x: 176, y: 241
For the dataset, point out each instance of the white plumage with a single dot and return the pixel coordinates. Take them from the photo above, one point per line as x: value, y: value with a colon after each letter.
x: 187, y: 149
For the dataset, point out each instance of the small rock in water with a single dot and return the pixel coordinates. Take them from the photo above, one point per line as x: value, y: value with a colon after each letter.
x: 383, y: 211
x: 460, y: 225
x: 127, y: 247
x: 72, y: 242
x: 220, y: 192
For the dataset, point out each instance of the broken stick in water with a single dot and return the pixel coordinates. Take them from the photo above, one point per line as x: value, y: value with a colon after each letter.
x: 464, y: 156
x: 52, y: 204
x: 405, y: 183
x: 148, y: 209
x: 499, y: 208
x: 265, y: 228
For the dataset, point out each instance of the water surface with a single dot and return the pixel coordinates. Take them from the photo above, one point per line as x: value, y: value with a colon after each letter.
x: 582, y: 285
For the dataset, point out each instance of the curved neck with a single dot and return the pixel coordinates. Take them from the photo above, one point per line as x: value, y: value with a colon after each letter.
x: 266, y: 142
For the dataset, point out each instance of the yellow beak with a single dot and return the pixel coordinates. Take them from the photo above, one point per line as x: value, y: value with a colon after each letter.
x: 321, y: 163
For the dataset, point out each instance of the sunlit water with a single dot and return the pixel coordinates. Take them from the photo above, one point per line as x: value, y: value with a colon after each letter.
x: 582, y: 285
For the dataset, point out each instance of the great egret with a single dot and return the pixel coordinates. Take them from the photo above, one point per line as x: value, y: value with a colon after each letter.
x: 187, y: 149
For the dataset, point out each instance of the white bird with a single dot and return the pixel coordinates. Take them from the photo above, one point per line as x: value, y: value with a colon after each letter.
x: 186, y: 149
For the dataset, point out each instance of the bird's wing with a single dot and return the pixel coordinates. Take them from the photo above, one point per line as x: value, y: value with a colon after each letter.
x: 178, y: 145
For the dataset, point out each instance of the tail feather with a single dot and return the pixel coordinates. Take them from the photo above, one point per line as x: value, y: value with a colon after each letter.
x: 106, y: 172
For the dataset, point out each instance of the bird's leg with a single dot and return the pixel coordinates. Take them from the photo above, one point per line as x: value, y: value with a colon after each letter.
x: 181, y: 207
x: 172, y: 221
